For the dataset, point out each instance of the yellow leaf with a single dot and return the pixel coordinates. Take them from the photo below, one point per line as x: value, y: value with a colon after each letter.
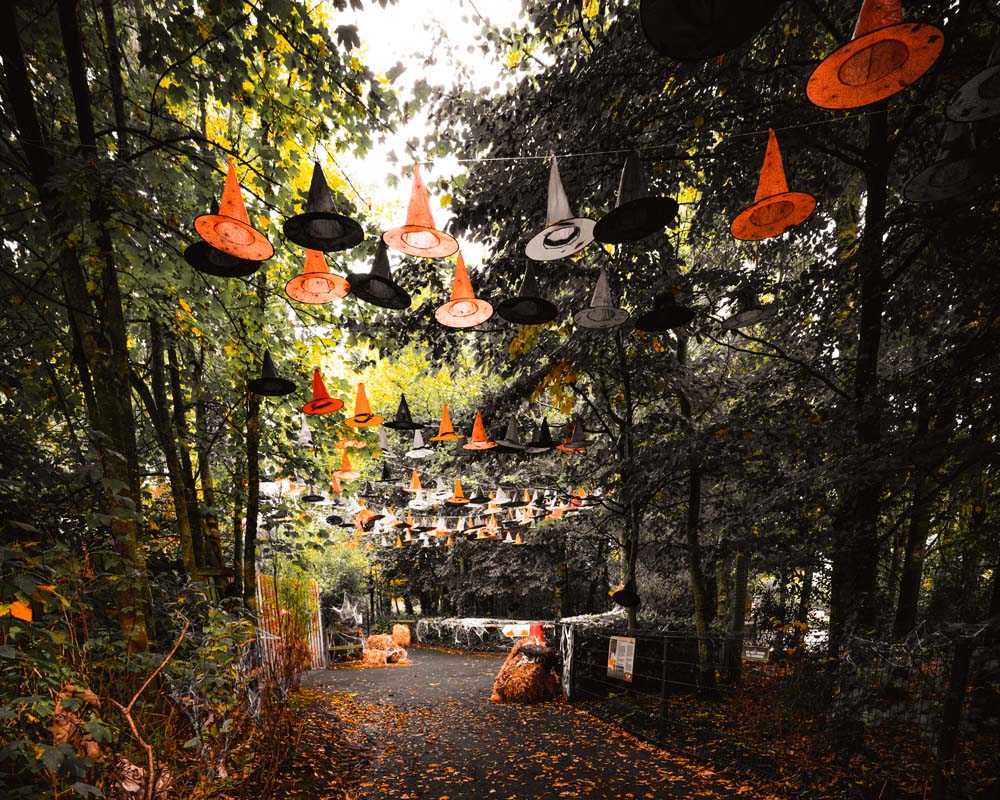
x: 20, y: 610
x: 445, y: 200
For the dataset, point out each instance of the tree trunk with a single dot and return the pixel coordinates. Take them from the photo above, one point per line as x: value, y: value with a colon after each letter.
x: 733, y: 654
x: 723, y: 570
x: 212, y: 535
x: 253, y: 503
x: 854, y: 598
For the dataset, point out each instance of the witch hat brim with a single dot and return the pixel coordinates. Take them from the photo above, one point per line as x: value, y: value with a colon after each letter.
x: 205, y: 258
x: 626, y: 597
x: 693, y: 30
x: 635, y: 220
x: 947, y: 179
x: 527, y: 310
x: 322, y: 227
x: 561, y: 239
x: 874, y: 66
x: 229, y: 230
x: 269, y: 384
x: 666, y: 315
x: 377, y: 287
x: 750, y: 316
x: 772, y: 216
x: 978, y: 99
x: 315, y: 288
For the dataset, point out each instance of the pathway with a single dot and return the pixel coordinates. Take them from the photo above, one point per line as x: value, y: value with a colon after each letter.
x: 433, y: 735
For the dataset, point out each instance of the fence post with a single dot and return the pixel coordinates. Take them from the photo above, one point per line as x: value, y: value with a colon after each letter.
x: 663, y: 684
x: 951, y: 717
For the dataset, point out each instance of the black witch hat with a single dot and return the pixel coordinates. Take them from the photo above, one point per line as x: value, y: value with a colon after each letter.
x: 542, y: 441
x: 667, y: 313
x: 403, y: 421
x: 511, y: 441
x: 377, y: 287
x: 637, y: 214
x: 528, y: 307
x: 695, y: 30
x: 269, y: 384
x: 749, y: 311
x: 627, y: 596
x: 322, y: 227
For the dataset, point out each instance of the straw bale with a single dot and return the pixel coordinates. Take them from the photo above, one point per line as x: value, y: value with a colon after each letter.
x: 523, y: 680
x: 373, y: 658
x: 401, y: 635
x: 384, y: 642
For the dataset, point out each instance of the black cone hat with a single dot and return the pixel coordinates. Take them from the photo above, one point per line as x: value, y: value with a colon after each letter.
x: 377, y: 287
x: 322, y: 227
x: 627, y: 596
x: 528, y: 307
x: 269, y: 384
x: 958, y: 170
x: 749, y: 311
x: 695, y: 30
x: 542, y: 441
x: 212, y: 261
x: 403, y: 421
x: 511, y: 441
x: 637, y: 214
x: 667, y: 313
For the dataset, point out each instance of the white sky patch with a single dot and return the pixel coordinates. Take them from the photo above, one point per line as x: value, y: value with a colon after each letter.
x: 405, y: 33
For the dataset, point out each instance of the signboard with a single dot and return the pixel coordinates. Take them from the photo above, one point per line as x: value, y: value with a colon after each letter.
x: 621, y: 657
x: 754, y: 653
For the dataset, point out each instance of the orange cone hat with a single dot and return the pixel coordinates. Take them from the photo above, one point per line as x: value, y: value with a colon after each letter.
x: 335, y: 485
x: 418, y: 236
x: 346, y: 472
x: 446, y: 431
x: 464, y: 310
x: 775, y: 209
x: 229, y: 230
x: 885, y: 56
x: 414, y: 483
x: 317, y: 284
x: 479, y: 440
x: 458, y: 498
x: 363, y: 417
x: 321, y: 402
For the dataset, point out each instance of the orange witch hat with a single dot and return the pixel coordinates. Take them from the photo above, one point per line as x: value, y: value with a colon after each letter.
x: 363, y: 417
x: 346, y: 472
x: 464, y: 310
x: 418, y: 236
x: 885, y: 56
x: 335, y: 484
x: 229, y: 230
x: 414, y: 482
x: 321, y: 402
x: 317, y: 284
x: 775, y: 209
x: 479, y: 440
x: 458, y: 498
x: 446, y: 431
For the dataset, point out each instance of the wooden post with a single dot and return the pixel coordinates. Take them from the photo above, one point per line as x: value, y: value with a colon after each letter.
x: 663, y: 684
x: 951, y: 718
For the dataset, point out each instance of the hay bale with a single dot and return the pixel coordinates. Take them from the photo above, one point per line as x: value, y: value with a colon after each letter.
x: 383, y: 642
x: 401, y: 635
x: 373, y: 658
x: 522, y: 679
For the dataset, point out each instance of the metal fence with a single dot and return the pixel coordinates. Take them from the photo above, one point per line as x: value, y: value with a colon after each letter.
x: 919, y: 719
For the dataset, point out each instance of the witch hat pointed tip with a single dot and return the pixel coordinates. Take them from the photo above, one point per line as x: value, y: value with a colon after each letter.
x: 419, y: 236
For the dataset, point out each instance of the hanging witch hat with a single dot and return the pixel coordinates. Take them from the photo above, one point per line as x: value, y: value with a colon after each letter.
x: 317, y: 284
x: 542, y: 441
x: 695, y: 30
x: 749, y: 311
x: 479, y: 439
x: 269, y: 384
x: 419, y: 449
x: 956, y: 172
x: 446, y: 431
x: 229, y: 228
x: 414, y: 486
x: 565, y: 234
x: 978, y: 99
x: 667, y: 313
x: 576, y: 440
x: 377, y: 287
x: 403, y: 421
x: 305, y: 438
x: 774, y: 209
x: 321, y: 226
x: 528, y: 307
x: 346, y: 471
x: 321, y: 402
x: 885, y: 56
x: 602, y: 313
x: 311, y: 496
x: 418, y: 236
x: 363, y: 416
x: 386, y: 476
x: 626, y: 596
x: 511, y: 441
x: 637, y: 214
x: 457, y: 498
x: 212, y: 261
x: 464, y: 310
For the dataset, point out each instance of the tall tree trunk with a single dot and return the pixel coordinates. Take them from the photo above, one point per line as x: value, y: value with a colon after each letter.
x: 212, y: 535
x: 182, y: 436
x: 733, y: 653
x: 239, y: 509
x: 854, y: 598
x: 802, y: 609
x: 723, y: 577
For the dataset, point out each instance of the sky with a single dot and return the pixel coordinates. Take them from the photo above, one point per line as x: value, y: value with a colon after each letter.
x: 404, y: 33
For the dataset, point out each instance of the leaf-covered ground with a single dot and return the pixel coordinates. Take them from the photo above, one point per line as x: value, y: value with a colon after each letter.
x: 428, y: 731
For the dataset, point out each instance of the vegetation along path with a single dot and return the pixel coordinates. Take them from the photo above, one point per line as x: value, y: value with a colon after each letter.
x: 434, y: 734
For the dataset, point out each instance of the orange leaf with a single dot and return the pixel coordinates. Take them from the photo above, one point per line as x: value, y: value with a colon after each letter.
x: 20, y: 610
